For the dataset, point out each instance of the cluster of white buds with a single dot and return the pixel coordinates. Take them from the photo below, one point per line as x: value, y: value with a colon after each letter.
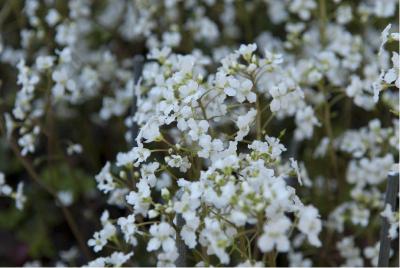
x: 220, y: 189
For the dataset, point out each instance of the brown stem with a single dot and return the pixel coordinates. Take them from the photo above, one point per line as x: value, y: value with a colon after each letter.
x: 272, y: 258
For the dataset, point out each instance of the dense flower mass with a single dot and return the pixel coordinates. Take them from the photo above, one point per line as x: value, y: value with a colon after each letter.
x: 201, y: 132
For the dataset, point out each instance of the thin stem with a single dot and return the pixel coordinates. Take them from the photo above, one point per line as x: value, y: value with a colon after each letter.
x: 272, y: 258
x: 36, y: 178
x: 336, y: 99
x: 5, y: 11
x: 203, y: 111
x: 181, y: 148
x: 329, y: 132
x: 258, y: 118
x: 322, y: 21
x: 147, y: 223
x: 268, y: 121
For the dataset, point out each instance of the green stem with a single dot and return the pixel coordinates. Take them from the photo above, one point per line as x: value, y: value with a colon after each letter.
x: 36, y: 178
x: 268, y: 121
x: 258, y: 118
x: 323, y: 21
x: 272, y: 258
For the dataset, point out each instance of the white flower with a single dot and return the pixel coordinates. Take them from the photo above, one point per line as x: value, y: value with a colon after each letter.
x: 99, y: 262
x: 305, y: 121
x: 44, y: 62
x: 188, y: 204
x: 217, y: 239
x: 359, y: 215
x: 100, y: 238
x: 229, y: 84
x: 275, y: 235
x: 344, y: 14
x: 97, y: 242
x: 52, y: 17
x: 209, y: 147
x: 28, y: 143
x: 62, y: 81
x: 147, y: 172
x: 296, y: 259
x: 20, y: 198
x: 242, y: 90
x: 10, y: 125
x: 118, y: 258
x: 135, y: 156
x: 238, y: 217
x: 65, y: 55
x: 188, y: 232
x: 150, y: 131
x: 276, y: 148
x: 259, y: 146
x: 278, y: 94
x: 369, y: 171
x: 357, y: 90
x: 302, y: 8
x: 159, y: 54
x: 392, y: 75
x: 350, y: 252
x: 163, y: 235
x: 295, y: 166
x: 115, y: 260
x: 272, y: 59
x: 167, y: 259
x: 5, y: 189
x: 390, y: 216
x: 327, y: 61
x: 66, y: 33
x: 128, y: 228
x: 197, y: 128
x: 169, y: 102
x: 191, y: 91
x: 310, y: 224
x: 104, y: 179
x: 384, y: 38
x: 372, y: 253
x: 28, y: 140
x: 321, y: 149
x: 243, y: 123
x: 247, y: 50
x: 178, y: 161
x: 140, y: 199
x: 69, y: 255
x: 66, y: 198
x: 186, y: 63
x: 74, y: 149
x: 385, y: 8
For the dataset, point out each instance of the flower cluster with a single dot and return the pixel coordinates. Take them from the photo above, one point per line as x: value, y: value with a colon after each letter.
x: 17, y: 195
x: 220, y: 190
